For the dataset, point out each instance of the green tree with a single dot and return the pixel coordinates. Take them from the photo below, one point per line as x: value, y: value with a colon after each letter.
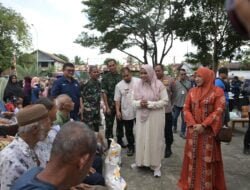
x: 78, y: 61
x: 206, y: 24
x: 27, y: 70
x: 14, y: 35
x: 203, y: 58
x: 246, y: 58
x: 31, y: 71
x: 147, y: 24
x: 26, y: 59
x: 169, y: 70
x: 48, y: 72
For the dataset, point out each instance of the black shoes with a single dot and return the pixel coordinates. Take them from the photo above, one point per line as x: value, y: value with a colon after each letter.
x: 168, y: 152
x: 121, y: 143
x: 130, y: 152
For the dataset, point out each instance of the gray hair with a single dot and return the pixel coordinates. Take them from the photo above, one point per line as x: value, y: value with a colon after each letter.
x: 27, y: 128
x: 73, y: 140
x: 59, y: 101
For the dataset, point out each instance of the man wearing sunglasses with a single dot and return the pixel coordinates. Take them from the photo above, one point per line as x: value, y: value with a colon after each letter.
x: 68, y: 85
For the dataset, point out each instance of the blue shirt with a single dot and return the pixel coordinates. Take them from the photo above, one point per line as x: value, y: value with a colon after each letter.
x: 35, y: 94
x: 29, y: 181
x: 72, y: 89
x: 220, y: 83
x: 2, y: 108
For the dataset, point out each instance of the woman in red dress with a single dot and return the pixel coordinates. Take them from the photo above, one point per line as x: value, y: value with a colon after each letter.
x: 202, y: 167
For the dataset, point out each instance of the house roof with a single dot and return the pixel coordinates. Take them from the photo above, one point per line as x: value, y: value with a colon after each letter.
x: 52, y: 56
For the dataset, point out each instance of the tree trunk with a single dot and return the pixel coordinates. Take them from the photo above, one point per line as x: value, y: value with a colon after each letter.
x: 215, y: 57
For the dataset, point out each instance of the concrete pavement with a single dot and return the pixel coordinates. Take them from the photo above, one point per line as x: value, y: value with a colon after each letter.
x: 236, y: 167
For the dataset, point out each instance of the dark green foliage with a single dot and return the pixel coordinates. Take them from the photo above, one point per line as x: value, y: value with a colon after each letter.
x: 206, y: 24
x: 14, y: 35
x: 128, y: 23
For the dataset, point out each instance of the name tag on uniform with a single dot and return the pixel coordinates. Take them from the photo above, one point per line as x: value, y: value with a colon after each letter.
x: 182, y: 92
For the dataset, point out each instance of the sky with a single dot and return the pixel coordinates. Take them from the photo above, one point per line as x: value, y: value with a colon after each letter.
x: 55, y: 24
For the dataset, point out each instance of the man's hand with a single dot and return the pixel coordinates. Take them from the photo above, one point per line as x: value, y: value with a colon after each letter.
x: 118, y: 115
x: 80, y: 113
x: 92, y: 170
x: 108, y: 111
x: 199, y: 128
x: 81, y: 186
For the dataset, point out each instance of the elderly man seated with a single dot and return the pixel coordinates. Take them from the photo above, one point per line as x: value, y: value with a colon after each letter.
x: 72, y: 154
x: 19, y: 156
x: 64, y: 106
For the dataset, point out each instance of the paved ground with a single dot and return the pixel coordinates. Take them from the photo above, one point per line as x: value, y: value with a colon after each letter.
x: 236, y: 166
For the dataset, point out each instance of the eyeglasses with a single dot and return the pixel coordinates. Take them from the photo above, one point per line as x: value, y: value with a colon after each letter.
x: 70, y: 70
x: 183, y: 73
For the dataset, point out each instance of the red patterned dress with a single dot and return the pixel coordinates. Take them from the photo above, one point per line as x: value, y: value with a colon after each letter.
x: 202, y: 165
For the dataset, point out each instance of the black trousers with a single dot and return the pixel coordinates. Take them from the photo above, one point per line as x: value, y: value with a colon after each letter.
x: 168, y: 129
x: 129, y: 125
x: 247, y: 135
x: 97, y: 177
x: 109, y: 121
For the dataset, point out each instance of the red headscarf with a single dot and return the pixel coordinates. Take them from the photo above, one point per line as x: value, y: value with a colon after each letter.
x: 208, y: 77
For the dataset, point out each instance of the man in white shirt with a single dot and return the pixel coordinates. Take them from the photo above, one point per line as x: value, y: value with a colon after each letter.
x: 20, y: 155
x: 125, y: 111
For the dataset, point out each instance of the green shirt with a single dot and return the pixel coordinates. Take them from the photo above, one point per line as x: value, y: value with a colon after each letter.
x: 61, y: 119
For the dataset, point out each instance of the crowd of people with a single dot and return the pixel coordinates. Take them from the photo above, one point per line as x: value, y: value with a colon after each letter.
x: 58, y: 127
x: 58, y: 143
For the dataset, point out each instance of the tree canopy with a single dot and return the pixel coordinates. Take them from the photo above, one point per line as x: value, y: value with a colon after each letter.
x: 207, y: 26
x: 121, y: 24
x: 14, y: 35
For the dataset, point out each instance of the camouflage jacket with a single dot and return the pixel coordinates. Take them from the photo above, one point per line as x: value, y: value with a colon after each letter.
x: 91, y: 95
x: 109, y: 82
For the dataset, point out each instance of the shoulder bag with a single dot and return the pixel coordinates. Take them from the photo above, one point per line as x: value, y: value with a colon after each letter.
x: 225, y: 134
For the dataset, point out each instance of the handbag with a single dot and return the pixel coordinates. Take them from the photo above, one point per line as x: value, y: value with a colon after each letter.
x: 225, y: 134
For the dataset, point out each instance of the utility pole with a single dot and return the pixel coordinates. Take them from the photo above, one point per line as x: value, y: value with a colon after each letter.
x: 37, y: 61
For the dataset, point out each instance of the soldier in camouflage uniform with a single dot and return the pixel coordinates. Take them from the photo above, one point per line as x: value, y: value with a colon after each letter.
x: 109, y: 82
x: 91, y: 96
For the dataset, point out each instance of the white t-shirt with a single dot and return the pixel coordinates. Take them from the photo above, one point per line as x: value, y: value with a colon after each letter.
x: 123, y: 93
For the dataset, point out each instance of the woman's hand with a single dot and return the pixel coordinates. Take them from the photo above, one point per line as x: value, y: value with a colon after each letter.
x: 199, y: 128
x: 144, y: 103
